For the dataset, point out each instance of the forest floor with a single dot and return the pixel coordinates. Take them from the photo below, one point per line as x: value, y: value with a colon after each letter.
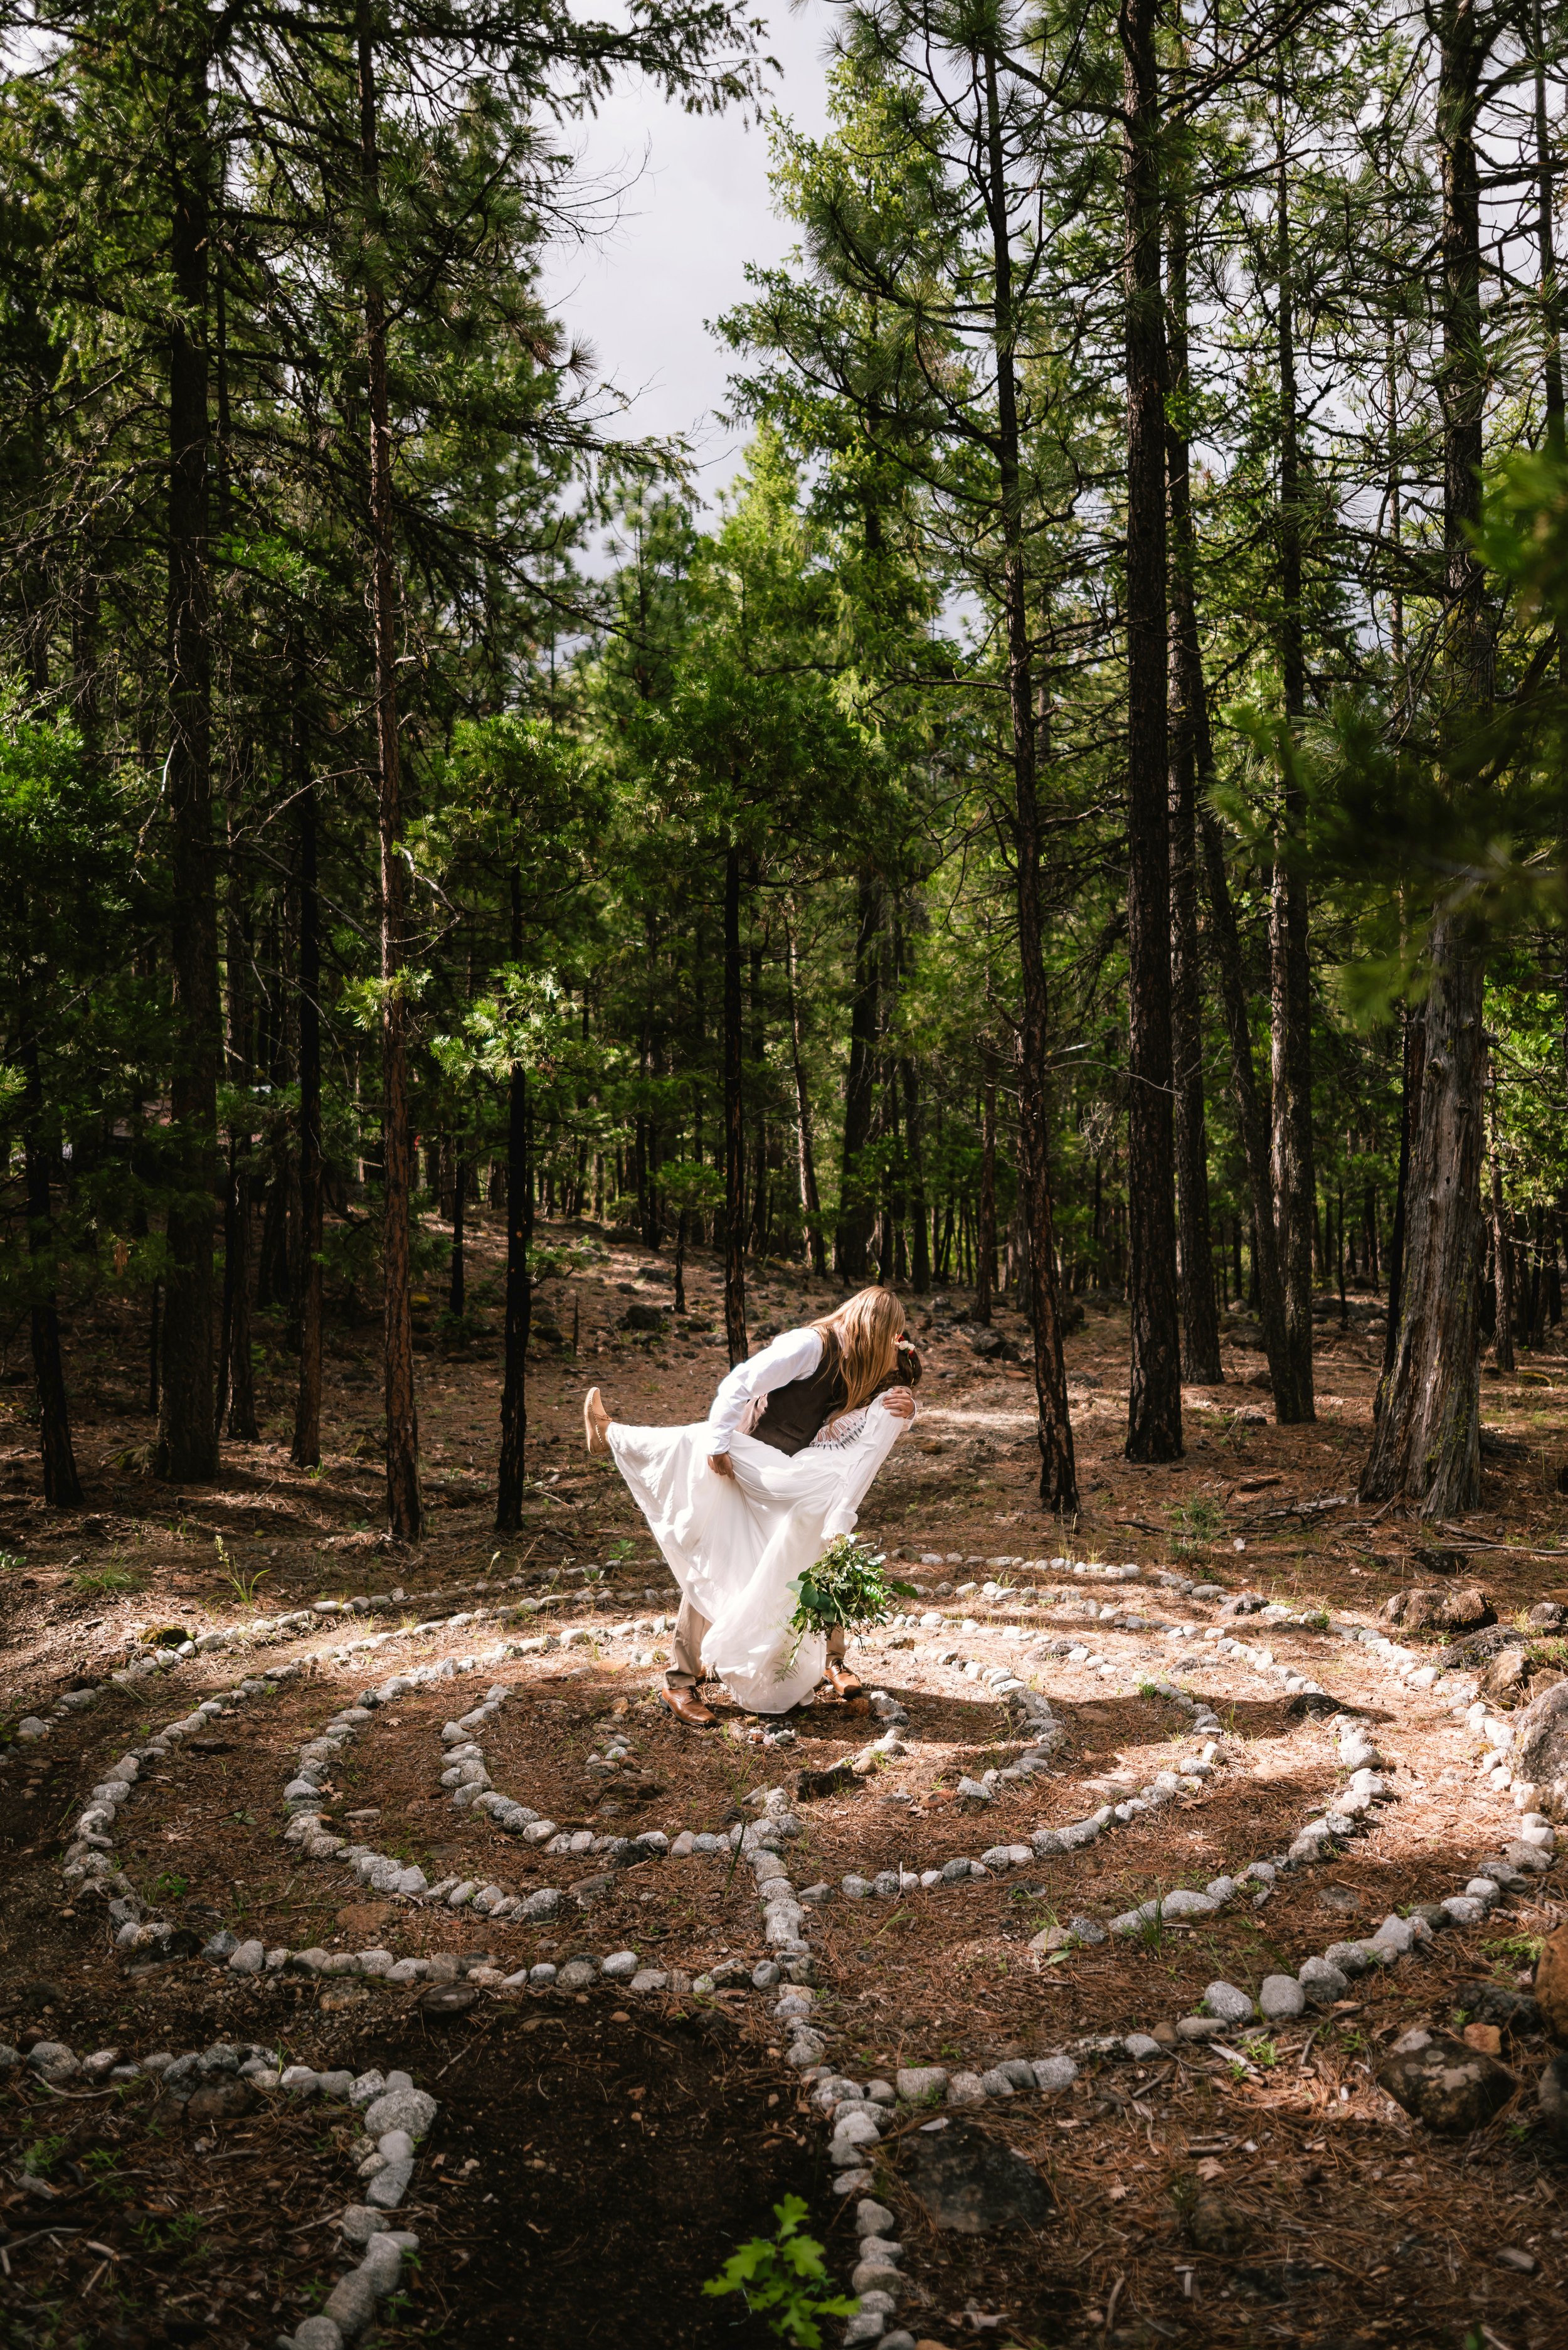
x: 597, y: 2153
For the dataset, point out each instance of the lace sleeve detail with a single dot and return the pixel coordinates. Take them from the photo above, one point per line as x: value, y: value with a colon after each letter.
x: 833, y: 1436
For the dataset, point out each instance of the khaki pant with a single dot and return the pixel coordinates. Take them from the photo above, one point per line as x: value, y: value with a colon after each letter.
x: 686, y: 1668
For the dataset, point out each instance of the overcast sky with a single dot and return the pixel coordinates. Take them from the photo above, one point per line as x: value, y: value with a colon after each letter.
x: 695, y: 209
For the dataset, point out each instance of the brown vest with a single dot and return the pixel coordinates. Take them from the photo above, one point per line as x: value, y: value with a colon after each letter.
x: 794, y: 1414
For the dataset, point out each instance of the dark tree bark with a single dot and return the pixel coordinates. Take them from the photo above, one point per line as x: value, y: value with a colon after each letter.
x: 511, y: 1473
x: 1225, y: 944
x: 985, y: 1221
x: 852, y: 1237
x: 1502, y: 1251
x: 187, y: 1443
x: 62, y: 1486
x: 1154, y: 1385
x: 1266, y: 1285
x: 1058, y: 1469
x: 920, y: 1209
x: 1290, y: 968
x: 1199, y: 1317
x: 1551, y: 319
x: 1411, y: 1069
x: 1425, y: 1445
x: 306, y: 1449
x: 758, y: 1221
x: 810, y: 1202
x: 236, y: 1378
x: 734, y: 1122
x: 455, y: 1289
x: 404, y: 1512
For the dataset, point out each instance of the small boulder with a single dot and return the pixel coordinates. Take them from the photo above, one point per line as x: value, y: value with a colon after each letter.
x: 1230, y: 2005
x: 1551, y: 1982
x: 969, y: 2181
x: 1443, y: 2084
x: 1540, y: 1748
x: 1552, y: 2096
x: 1507, y: 1679
x: 1281, y: 1998
x: 1422, y: 1609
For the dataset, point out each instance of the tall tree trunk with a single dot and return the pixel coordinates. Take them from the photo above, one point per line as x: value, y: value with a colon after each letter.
x: 1200, y: 1316
x: 920, y: 1209
x: 307, y: 1448
x: 1288, y: 940
x: 1551, y: 320
x: 985, y: 1221
x: 852, y: 1236
x: 757, y: 1230
x: 510, y: 1470
x: 1058, y: 1468
x: 1413, y: 1043
x: 62, y: 1486
x: 1153, y: 1385
x: 1225, y: 942
x: 455, y: 1288
x: 239, y: 1379
x: 1502, y: 1248
x: 187, y: 1443
x: 403, y: 1507
x: 734, y: 1122
x: 810, y: 1204
x: 1426, y: 1446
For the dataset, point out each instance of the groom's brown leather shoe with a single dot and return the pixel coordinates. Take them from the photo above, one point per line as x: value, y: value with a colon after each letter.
x: 844, y: 1683
x: 685, y: 1705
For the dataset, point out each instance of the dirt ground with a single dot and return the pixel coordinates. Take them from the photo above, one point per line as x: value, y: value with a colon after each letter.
x: 596, y: 2156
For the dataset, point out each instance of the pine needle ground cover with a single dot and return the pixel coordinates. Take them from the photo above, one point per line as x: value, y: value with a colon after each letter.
x: 598, y: 2155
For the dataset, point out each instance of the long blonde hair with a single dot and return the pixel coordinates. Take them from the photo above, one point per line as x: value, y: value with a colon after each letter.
x: 863, y: 1334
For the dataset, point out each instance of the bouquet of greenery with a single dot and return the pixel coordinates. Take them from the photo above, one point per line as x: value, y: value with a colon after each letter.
x: 848, y: 1585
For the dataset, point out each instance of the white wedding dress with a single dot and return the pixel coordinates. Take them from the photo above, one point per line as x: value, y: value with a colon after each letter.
x: 738, y: 1546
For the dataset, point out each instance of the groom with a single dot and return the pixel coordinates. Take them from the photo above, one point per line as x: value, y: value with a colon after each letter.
x: 786, y: 1403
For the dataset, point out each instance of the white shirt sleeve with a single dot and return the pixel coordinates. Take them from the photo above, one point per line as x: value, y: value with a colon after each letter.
x: 795, y: 1356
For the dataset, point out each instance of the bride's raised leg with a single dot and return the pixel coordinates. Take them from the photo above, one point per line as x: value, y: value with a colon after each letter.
x: 596, y: 1420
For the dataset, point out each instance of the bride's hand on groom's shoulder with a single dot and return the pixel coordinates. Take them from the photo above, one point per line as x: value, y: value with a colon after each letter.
x: 900, y: 1401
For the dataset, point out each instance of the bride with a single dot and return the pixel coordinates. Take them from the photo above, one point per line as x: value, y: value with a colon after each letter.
x: 743, y: 1502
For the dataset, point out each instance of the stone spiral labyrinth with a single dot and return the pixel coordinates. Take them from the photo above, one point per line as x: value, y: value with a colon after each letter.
x: 1085, y: 1872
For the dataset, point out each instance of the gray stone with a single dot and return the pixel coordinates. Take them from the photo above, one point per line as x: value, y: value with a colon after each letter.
x: 872, y: 2218
x: 359, y: 2223
x: 1141, y: 2048
x: 969, y: 2181
x: 1443, y: 2085
x: 1323, y: 1982
x: 1053, y: 2074
x: 1281, y: 1998
x: 316, y: 2333
x: 401, y: 2109
x: 922, y: 2085
x: 1540, y: 1747
x: 1229, y: 2004
x: 390, y: 2184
